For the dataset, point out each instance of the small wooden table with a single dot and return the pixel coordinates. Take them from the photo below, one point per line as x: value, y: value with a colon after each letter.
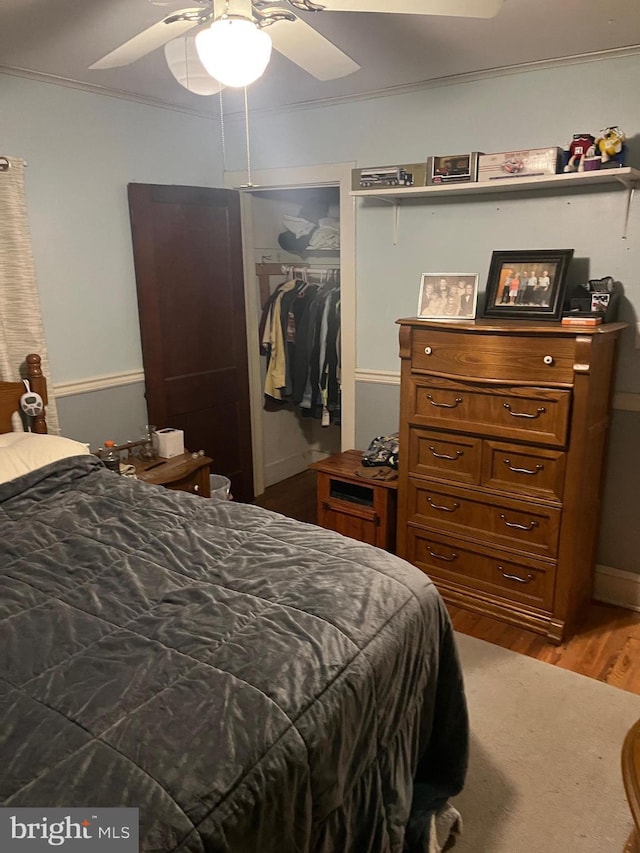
x: 631, y: 778
x: 355, y: 506
x: 185, y: 473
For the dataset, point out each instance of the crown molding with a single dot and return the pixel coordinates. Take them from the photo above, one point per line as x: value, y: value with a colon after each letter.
x: 438, y: 82
x: 94, y: 89
x: 392, y: 91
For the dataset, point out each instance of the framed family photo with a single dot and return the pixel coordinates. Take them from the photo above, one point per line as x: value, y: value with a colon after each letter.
x: 448, y: 296
x: 527, y: 284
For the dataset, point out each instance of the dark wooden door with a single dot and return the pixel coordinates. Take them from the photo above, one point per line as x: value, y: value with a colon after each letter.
x: 188, y: 258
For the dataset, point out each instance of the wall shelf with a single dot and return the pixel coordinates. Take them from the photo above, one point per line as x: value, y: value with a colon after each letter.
x: 626, y: 177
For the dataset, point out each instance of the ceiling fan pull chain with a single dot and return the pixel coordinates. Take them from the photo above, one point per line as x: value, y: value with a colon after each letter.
x: 224, y: 149
x: 246, y: 124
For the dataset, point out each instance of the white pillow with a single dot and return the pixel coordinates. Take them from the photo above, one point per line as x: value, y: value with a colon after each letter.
x: 22, y: 452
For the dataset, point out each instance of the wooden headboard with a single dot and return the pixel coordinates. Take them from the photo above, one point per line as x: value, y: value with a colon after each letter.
x: 10, y: 393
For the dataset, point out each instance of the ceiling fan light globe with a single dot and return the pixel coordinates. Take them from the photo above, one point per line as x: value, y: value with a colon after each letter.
x: 184, y: 63
x: 234, y: 51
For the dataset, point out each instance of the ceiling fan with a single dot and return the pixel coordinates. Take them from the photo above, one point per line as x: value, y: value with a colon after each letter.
x: 232, y: 32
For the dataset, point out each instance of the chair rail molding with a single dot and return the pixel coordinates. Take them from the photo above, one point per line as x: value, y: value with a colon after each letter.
x: 623, y: 401
x: 97, y: 383
x: 378, y: 377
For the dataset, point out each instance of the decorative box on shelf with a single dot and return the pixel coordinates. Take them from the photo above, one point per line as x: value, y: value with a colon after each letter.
x: 453, y: 169
x: 519, y: 164
x: 384, y: 177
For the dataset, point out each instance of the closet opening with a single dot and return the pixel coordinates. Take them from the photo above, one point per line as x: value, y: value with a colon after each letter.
x: 295, y: 240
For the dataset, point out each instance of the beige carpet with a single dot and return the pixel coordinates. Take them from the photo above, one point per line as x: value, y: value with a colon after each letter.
x: 544, y: 772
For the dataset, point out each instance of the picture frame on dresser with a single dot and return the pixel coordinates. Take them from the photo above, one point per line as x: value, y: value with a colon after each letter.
x: 527, y: 284
x: 448, y: 296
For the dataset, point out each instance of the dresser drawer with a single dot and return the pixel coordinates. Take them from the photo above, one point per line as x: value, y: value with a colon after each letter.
x: 526, y: 471
x: 532, y: 414
x: 509, y: 576
x: 183, y: 473
x: 197, y: 483
x: 493, y: 356
x: 445, y: 455
x: 529, y: 528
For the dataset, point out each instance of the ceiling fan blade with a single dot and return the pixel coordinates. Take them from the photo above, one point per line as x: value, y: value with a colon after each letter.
x: 184, y: 63
x: 303, y: 45
x: 145, y: 42
x: 447, y: 8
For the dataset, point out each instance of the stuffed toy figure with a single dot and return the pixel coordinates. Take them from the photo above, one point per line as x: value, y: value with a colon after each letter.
x: 610, y: 142
x: 578, y: 150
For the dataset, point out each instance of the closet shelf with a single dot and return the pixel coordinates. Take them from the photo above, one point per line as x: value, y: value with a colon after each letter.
x: 627, y: 177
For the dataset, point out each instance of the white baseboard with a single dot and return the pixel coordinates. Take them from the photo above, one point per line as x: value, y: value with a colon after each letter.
x: 282, y: 469
x: 615, y: 586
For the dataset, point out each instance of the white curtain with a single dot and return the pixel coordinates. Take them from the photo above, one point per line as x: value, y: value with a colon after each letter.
x: 21, y: 329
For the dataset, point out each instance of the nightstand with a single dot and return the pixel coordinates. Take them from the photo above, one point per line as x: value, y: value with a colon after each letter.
x: 184, y: 473
x: 355, y: 506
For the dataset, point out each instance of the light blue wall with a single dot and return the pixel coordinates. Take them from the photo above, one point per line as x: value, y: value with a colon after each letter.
x: 538, y: 108
x: 531, y: 109
x: 84, y: 148
x: 117, y: 413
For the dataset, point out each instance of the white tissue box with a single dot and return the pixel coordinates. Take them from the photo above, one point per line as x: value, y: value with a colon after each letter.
x: 168, y: 442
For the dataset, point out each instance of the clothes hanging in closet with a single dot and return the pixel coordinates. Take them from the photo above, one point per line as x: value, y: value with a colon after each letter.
x: 300, y: 336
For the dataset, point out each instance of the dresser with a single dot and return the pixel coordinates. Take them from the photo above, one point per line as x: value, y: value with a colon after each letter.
x: 502, y: 439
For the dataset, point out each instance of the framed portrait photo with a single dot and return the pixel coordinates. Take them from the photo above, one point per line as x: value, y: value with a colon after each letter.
x: 527, y: 285
x: 448, y: 296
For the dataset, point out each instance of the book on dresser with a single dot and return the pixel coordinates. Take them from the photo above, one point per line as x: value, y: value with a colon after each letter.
x: 582, y: 320
x: 503, y: 431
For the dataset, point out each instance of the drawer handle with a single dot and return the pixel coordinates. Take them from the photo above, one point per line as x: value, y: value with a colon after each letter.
x: 530, y: 526
x: 196, y: 487
x: 537, y: 470
x: 540, y: 411
x: 428, y: 350
x: 455, y: 458
x: 509, y: 577
x: 548, y: 359
x: 444, y: 405
x: 450, y: 559
x: 453, y: 508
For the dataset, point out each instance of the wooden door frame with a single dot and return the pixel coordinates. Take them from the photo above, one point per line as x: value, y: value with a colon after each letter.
x: 301, y: 177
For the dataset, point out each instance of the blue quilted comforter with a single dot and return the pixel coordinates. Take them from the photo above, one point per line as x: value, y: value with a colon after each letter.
x: 252, y: 684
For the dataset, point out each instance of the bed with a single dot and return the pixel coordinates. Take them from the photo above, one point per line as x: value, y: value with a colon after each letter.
x: 250, y: 683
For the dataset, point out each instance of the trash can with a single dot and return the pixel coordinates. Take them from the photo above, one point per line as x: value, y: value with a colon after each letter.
x: 220, y: 487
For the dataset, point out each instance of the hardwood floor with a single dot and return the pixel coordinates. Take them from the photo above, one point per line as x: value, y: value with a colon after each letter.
x: 606, y: 646
x: 295, y: 497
